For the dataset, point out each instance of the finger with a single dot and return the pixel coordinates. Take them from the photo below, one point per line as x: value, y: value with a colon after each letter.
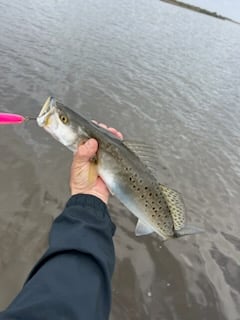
x: 102, y: 125
x: 112, y: 130
x: 116, y: 133
x: 87, y: 150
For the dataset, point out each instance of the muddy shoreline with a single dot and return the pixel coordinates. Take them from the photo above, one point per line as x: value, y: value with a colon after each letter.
x: 198, y: 9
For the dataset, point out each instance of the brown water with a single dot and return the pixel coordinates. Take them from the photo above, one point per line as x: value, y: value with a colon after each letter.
x: 157, y: 73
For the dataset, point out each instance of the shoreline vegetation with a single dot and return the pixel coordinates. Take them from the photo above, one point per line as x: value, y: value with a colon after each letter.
x: 198, y: 9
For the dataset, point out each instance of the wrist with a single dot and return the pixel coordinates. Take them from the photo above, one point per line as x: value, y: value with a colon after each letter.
x: 100, y: 196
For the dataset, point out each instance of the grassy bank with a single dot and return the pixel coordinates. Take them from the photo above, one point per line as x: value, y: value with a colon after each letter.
x: 198, y: 9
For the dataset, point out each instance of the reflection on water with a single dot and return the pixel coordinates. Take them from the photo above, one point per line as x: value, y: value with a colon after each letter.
x: 159, y: 74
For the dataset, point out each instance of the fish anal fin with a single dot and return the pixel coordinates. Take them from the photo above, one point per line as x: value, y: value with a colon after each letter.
x: 142, y: 229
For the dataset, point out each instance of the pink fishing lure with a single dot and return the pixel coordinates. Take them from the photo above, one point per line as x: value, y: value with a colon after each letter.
x: 11, y: 118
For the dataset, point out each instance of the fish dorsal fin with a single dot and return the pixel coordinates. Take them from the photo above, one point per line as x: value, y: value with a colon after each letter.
x: 142, y: 229
x: 146, y: 153
x: 176, y: 206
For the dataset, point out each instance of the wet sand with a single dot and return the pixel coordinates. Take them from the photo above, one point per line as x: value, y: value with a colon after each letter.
x: 161, y: 75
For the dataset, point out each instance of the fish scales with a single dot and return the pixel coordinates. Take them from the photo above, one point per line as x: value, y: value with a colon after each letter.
x: 143, y: 188
x: 122, y: 167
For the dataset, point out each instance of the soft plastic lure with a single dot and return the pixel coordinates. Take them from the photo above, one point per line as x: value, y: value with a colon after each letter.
x: 12, y: 118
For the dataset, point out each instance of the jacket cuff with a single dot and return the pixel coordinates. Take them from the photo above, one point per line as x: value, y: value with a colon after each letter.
x: 97, y: 207
x: 86, y: 200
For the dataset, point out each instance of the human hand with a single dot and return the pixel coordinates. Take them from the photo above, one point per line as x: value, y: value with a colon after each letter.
x: 84, y: 178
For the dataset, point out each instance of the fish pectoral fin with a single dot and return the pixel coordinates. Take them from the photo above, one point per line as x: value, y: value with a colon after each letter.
x: 142, y: 229
x: 187, y: 230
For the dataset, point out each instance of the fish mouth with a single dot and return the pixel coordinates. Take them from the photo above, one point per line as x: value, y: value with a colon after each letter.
x: 46, y: 111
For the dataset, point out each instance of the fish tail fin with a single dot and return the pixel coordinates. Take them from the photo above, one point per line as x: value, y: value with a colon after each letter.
x: 187, y: 230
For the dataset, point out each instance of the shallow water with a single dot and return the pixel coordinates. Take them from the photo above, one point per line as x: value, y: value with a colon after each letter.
x: 160, y: 74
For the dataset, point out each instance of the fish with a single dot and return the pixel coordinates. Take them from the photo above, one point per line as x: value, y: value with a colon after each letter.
x: 125, y: 167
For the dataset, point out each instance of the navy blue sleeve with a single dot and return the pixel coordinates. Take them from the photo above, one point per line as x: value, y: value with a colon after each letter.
x: 73, y: 278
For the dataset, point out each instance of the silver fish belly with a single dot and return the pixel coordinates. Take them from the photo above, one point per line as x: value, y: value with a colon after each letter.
x: 120, y: 164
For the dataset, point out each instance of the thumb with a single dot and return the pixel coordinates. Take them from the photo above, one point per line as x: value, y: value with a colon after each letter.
x: 87, y: 150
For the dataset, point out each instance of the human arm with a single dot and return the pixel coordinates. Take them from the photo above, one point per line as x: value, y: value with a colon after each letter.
x: 73, y: 278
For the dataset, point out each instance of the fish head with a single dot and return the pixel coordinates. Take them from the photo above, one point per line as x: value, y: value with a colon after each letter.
x: 61, y: 123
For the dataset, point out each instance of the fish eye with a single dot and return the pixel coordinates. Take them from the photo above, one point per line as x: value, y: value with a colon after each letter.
x: 63, y: 118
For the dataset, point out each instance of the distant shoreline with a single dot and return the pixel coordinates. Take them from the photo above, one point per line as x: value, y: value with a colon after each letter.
x: 198, y: 9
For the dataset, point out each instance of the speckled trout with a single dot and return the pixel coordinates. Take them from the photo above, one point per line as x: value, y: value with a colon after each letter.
x: 125, y: 168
